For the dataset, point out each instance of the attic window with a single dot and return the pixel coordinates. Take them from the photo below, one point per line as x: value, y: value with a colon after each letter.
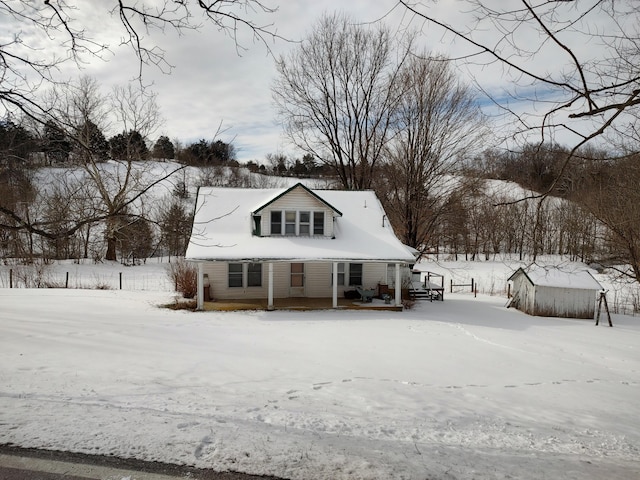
x: 303, y: 223
x: 257, y: 219
x: 276, y: 223
x: 290, y: 223
x: 318, y: 223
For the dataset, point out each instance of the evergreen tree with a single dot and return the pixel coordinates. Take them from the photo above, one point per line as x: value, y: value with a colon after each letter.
x: 128, y: 146
x: 16, y: 143
x: 55, y: 145
x: 163, y: 149
x: 91, y: 141
x: 176, y: 223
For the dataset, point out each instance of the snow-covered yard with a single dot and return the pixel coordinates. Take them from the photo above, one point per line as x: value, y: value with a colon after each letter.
x: 460, y: 389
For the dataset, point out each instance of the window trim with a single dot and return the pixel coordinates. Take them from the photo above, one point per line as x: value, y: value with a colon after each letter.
x: 307, y: 223
x: 272, y: 222
x: 255, y: 274
x: 320, y: 214
x: 288, y: 223
x: 351, y: 276
x: 244, y: 274
x: 340, y: 274
x: 316, y: 224
x: 235, y: 275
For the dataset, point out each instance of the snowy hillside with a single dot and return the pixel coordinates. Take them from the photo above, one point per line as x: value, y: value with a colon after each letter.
x: 460, y: 389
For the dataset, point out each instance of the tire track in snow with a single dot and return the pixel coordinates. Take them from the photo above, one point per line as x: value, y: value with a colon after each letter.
x: 321, y: 385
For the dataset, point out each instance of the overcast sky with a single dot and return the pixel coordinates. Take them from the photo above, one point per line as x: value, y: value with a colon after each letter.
x: 214, y: 85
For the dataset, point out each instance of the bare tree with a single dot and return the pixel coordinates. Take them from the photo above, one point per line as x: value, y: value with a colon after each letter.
x: 103, y: 193
x: 610, y: 192
x: 436, y: 126
x: 136, y: 109
x: 336, y: 93
x: 39, y: 38
x: 573, y: 65
x: 43, y: 36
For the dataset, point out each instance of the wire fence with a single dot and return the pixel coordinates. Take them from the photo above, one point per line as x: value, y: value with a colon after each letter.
x: 102, y: 277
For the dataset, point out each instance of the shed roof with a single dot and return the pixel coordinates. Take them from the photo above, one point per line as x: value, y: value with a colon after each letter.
x: 222, y: 229
x: 559, y: 278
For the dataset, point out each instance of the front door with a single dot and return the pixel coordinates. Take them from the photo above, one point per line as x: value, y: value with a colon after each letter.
x: 297, y: 280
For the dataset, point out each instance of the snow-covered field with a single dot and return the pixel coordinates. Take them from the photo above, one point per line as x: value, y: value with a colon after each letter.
x: 460, y: 389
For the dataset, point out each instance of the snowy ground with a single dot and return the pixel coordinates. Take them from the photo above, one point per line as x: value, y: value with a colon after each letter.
x: 460, y: 389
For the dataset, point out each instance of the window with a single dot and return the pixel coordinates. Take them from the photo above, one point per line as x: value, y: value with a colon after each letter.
x: 318, y: 223
x: 305, y: 223
x: 276, y: 223
x: 289, y: 223
x: 254, y: 275
x: 256, y: 224
x: 238, y: 272
x: 340, y: 274
x: 355, y: 274
x: 235, y: 275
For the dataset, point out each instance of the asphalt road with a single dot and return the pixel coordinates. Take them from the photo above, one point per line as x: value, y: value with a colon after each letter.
x: 34, y: 464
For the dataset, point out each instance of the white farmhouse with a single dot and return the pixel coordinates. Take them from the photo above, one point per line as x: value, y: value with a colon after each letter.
x: 551, y: 292
x: 295, y: 242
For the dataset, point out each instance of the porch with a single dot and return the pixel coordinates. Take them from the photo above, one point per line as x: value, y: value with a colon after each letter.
x: 302, y: 304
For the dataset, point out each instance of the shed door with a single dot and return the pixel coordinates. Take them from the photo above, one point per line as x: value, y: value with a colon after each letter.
x: 297, y: 280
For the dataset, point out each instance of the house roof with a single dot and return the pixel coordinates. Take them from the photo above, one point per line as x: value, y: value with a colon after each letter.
x: 279, y: 194
x: 556, y: 277
x: 222, y: 229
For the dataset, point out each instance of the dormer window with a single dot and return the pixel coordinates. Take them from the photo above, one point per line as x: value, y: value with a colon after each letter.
x: 318, y: 223
x: 290, y: 223
x: 302, y: 223
x: 276, y: 223
x: 305, y: 223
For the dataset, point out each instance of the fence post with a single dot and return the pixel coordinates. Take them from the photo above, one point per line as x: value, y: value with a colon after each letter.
x: 11, y: 278
x: 120, y: 275
x: 451, y: 286
x: 472, y: 289
x: 66, y: 281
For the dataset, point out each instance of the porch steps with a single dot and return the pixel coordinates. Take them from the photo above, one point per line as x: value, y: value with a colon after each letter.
x: 418, y: 292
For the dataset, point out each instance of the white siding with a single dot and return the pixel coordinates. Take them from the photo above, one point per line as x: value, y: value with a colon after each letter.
x: 298, y: 200
x: 219, y: 279
x: 565, y: 302
x: 317, y: 280
x: 553, y: 301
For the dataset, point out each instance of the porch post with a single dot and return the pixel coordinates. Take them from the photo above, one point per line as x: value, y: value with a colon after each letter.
x: 200, y: 302
x: 335, y: 284
x: 270, y: 287
x: 398, y: 286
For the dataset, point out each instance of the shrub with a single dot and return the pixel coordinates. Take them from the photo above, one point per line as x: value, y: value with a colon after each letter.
x: 182, y: 305
x: 184, y: 276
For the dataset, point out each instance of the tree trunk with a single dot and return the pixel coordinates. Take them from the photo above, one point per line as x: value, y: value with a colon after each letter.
x: 111, y: 248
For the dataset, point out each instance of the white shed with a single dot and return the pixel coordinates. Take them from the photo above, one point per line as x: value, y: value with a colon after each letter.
x: 552, y: 292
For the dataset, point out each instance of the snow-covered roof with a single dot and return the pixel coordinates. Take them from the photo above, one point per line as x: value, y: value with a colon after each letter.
x: 279, y: 193
x: 222, y: 229
x: 556, y: 277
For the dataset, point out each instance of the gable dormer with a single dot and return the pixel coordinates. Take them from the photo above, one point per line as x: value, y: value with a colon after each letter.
x: 297, y: 211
